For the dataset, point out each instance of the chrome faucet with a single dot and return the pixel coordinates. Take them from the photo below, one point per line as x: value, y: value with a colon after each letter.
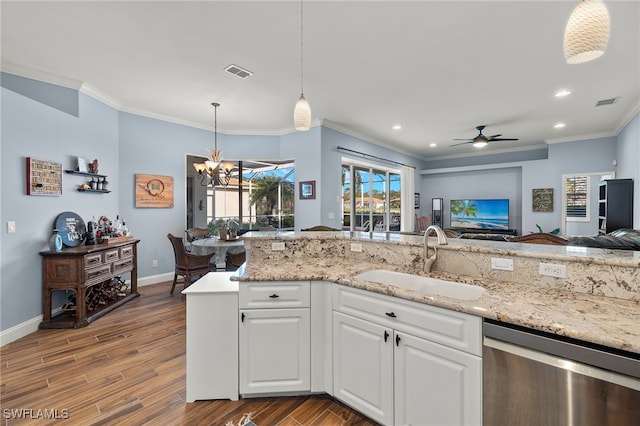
x: 442, y: 241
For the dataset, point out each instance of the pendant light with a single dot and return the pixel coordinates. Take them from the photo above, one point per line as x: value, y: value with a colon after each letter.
x: 211, y: 168
x: 587, y: 33
x: 302, y: 111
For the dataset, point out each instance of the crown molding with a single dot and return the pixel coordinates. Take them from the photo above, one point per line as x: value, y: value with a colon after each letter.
x: 99, y: 95
x: 44, y: 77
x: 584, y: 137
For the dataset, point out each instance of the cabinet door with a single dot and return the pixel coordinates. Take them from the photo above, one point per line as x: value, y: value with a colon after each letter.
x: 435, y: 385
x: 275, y: 350
x: 363, y: 366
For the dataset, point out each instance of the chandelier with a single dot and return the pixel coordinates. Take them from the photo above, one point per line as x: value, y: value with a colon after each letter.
x: 213, y: 171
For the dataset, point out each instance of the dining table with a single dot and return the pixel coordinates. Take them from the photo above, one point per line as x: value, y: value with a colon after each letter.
x: 219, y: 247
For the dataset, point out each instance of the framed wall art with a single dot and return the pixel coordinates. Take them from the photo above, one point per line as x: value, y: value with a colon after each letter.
x: 308, y: 190
x: 154, y: 191
x: 44, y: 177
x: 542, y: 200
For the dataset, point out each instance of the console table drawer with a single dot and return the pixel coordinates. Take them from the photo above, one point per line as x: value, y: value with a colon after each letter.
x: 111, y: 255
x: 98, y: 274
x: 126, y: 252
x: 92, y: 260
x: 123, y: 265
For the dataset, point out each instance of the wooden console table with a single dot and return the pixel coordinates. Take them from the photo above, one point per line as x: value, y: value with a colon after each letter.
x: 80, y: 268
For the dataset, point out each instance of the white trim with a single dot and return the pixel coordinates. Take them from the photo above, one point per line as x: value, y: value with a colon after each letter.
x: 155, y: 279
x: 20, y: 330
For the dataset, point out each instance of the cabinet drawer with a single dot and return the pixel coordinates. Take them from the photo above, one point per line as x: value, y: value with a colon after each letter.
x: 274, y: 294
x: 126, y: 252
x: 111, y: 255
x: 453, y: 329
x: 92, y: 260
x: 121, y: 266
x: 96, y: 275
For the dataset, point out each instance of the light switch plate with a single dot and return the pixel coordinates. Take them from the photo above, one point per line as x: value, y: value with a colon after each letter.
x: 11, y: 227
x: 277, y: 246
x: 502, y: 264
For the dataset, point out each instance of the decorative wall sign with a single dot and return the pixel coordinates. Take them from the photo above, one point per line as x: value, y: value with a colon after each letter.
x: 154, y: 191
x: 71, y: 228
x: 416, y: 200
x: 308, y: 190
x: 542, y: 200
x: 44, y: 177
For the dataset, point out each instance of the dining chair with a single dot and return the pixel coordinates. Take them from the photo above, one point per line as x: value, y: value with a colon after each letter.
x: 422, y: 223
x: 188, y: 265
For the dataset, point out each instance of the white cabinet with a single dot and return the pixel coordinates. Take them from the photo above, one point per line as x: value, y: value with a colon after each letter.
x: 362, y: 366
x: 434, y: 384
x: 212, y: 338
x: 274, y: 340
x: 394, y: 364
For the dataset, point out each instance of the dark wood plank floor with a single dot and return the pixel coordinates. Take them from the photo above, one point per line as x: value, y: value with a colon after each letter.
x: 128, y: 367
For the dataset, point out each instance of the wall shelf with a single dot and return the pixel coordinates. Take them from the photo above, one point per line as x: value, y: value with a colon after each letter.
x: 75, y: 172
x: 99, y: 191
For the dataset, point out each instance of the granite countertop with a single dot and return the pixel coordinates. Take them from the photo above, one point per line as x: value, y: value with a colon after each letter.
x: 607, y: 321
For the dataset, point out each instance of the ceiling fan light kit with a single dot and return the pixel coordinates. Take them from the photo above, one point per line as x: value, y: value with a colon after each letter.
x: 481, y: 140
x: 302, y: 111
x: 587, y: 32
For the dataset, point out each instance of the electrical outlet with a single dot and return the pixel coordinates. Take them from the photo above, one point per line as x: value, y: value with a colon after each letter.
x: 356, y: 247
x: 277, y: 246
x: 502, y: 264
x: 154, y: 263
x: 11, y: 227
x: 553, y: 270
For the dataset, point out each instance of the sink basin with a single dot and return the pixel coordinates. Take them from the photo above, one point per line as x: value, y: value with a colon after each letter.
x: 451, y: 289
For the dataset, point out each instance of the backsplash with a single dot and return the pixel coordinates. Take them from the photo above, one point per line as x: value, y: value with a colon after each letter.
x: 599, y: 272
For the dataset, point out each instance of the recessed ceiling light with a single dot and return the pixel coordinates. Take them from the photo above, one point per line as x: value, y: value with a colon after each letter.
x: 397, y: 127
x: 562, y: 93
x: 559, y: 125
x: 433, y: 145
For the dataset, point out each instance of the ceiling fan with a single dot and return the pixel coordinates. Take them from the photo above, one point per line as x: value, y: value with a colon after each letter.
x: 481, y: 140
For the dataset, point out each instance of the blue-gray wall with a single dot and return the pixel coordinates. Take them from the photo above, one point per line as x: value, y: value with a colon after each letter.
x: 53, y: 123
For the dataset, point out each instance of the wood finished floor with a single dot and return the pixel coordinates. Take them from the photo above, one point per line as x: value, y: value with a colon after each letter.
x: 128, y: 367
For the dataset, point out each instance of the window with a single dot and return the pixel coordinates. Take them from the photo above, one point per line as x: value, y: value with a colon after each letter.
x: 577, y: 198
x: 370, y: 198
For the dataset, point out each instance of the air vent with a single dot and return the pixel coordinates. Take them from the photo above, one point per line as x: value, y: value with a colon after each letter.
x: 238, y: 71
x: 606, y: 102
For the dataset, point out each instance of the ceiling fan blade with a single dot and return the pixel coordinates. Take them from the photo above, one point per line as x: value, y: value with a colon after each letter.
x: 458, y: 144
x: 463, y: 139
x: 494, y: 136
x: 506, y: 139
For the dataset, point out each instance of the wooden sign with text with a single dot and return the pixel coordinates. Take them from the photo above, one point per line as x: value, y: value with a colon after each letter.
x: 154, y: 191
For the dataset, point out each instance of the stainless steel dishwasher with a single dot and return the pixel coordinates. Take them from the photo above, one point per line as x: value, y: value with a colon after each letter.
x: 537, y: 379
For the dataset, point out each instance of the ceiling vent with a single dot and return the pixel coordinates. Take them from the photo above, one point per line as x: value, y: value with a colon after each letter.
x: 605, y: 102
x: 238, y: 71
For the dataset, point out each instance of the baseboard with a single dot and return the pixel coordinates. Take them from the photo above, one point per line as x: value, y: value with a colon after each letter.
x: 20, y: 330
x: 155, y: 279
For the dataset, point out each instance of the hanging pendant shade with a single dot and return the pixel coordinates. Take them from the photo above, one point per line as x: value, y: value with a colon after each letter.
x: 302, y: 115
x: 587, y: 33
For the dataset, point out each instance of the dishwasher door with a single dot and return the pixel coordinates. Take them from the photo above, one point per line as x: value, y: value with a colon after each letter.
x: 523, y: 386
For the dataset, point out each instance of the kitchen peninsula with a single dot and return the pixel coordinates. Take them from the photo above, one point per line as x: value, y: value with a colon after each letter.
x: 300, y: 289
x: 598, y: 302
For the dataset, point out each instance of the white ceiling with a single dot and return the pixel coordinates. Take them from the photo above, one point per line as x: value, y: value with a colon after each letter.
x: 438, y: 68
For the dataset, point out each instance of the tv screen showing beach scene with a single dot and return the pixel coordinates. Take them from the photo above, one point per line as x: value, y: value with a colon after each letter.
x: 480, y: 214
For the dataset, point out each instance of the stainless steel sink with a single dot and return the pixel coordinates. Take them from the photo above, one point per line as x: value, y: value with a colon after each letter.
x: 451, y: 289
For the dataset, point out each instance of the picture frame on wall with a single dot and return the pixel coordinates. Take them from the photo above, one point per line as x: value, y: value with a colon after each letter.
x: 308, y: 190
x: 416, y: 200
x: 44, y: 177
x: 542, y: 200
x: 82, y: 165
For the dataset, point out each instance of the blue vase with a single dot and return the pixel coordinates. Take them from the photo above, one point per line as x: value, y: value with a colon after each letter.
x: 55, y: 241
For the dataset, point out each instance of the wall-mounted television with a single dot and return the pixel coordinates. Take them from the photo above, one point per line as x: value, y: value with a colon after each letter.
x: 480, y: 214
